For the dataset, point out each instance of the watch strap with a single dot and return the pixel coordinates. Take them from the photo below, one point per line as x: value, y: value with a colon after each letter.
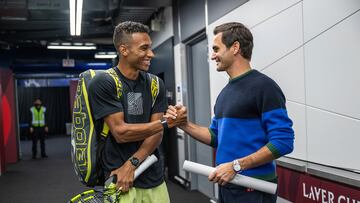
x: 164, y: 123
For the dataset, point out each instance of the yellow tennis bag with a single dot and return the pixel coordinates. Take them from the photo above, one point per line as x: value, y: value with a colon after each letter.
x: 87, y: 144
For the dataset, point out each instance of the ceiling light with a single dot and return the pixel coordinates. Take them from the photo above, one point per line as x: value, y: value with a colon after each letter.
x: 75, y: 16
x: 72, y: 47
x: 72, y: 16
x: 79, y: 6
x: 97, y: 64
x: 105, y: 55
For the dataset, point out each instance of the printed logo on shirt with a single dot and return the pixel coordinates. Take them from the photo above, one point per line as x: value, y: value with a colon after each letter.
x: 135, y: 103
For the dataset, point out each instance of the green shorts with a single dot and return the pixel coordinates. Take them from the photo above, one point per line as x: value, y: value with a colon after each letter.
x: 158, y: 194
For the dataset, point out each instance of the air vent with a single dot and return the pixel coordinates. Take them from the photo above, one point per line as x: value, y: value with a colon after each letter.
x: 48, y: 4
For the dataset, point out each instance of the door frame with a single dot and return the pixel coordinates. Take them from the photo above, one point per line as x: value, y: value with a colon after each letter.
x: 191, y: 144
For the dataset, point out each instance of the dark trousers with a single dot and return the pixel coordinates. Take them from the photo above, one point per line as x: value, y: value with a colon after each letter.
x: 231, y: 193
x: 39, y: 133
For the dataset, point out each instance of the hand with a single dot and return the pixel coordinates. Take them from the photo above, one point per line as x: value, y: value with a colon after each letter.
x: 46, y: 129
x: 171, y: 112
x: 31, y: 130
x: 223, y: 174
x: 176, y: 116
x: 125, y: 176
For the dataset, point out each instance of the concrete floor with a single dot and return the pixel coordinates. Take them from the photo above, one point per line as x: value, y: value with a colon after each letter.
x: 53, y: 179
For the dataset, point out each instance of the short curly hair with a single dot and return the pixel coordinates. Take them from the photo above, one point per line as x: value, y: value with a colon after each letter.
x: 123, y: 31
x: 234, y: 31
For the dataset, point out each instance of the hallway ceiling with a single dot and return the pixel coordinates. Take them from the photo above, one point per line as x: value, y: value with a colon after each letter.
x: 36, y: 23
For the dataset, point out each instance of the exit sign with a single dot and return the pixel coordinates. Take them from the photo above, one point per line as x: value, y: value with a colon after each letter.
x: 68, y: 63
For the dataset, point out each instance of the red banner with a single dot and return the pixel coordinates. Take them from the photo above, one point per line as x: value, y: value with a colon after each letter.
x: 304, y: 188
x: 2, y: 146
x: 8, y: 115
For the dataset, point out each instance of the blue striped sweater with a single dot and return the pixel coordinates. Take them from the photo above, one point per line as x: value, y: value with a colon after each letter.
x: 250, y: 113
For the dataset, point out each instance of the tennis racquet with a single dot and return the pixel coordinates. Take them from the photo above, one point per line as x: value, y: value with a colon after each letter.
x: 109, y: 194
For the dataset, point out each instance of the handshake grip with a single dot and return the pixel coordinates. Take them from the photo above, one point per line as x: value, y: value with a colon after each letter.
x: 176, y: 116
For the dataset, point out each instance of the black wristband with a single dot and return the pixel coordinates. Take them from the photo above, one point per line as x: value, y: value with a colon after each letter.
x: 164, y: 123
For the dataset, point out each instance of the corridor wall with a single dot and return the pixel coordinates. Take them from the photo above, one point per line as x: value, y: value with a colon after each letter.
x: 309, y: 48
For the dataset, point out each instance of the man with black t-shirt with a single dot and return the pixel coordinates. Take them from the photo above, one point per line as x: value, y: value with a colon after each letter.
x: 136, y: 125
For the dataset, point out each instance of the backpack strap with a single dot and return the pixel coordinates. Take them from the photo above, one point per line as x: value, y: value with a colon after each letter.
x: 119, y: 89
x: 153, y: 80
x: 154, y: 87
x: 105, y: 130
x: 118, y: 83
x: 92, y: 73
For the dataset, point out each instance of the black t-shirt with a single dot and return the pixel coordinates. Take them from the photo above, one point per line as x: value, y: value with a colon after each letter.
x: 136, y: 103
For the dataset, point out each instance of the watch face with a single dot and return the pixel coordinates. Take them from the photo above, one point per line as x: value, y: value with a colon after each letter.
x: 134, y: 161
x: 236, y: 166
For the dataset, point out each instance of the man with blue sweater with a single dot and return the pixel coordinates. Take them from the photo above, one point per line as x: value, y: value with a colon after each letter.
x: 251, y: 127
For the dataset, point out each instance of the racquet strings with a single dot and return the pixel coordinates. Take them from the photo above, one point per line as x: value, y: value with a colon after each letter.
x: 108, y: 195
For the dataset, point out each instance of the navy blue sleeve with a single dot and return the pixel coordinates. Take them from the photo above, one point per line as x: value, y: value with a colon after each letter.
x: 275, y: 120
x: 103, y: 97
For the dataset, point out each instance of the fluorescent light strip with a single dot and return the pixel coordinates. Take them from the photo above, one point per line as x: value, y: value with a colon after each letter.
x: 96, y: 64
x: 72, y: 47
x: 79, y: 16
x: 72, y: 16
x: 105, y: 56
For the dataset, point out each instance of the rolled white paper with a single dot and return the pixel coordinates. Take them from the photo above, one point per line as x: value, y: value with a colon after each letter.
x: 150, y: 160
x: 241, y: 180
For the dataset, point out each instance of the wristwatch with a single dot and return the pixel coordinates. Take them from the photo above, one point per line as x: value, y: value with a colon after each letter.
x: 236, y: 166
x: 134, y: 161
x: 164, y: 123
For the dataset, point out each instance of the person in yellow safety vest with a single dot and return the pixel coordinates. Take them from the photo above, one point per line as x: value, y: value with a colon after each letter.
x: 38, y: 127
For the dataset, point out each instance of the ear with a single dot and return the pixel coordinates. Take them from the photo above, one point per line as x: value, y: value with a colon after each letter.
x: 236, y: 48
x: 123, y: 50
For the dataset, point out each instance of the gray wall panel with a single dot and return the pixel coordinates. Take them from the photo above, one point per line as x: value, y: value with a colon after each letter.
x: 192, y: 17
x: 175, y: 7
x: 217, y: 9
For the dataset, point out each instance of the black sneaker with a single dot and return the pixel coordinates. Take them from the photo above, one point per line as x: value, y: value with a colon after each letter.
x: 44, y: 156
x: 33, y: 157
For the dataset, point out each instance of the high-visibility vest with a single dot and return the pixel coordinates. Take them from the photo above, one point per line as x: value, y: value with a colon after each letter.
x: 38, y: 116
